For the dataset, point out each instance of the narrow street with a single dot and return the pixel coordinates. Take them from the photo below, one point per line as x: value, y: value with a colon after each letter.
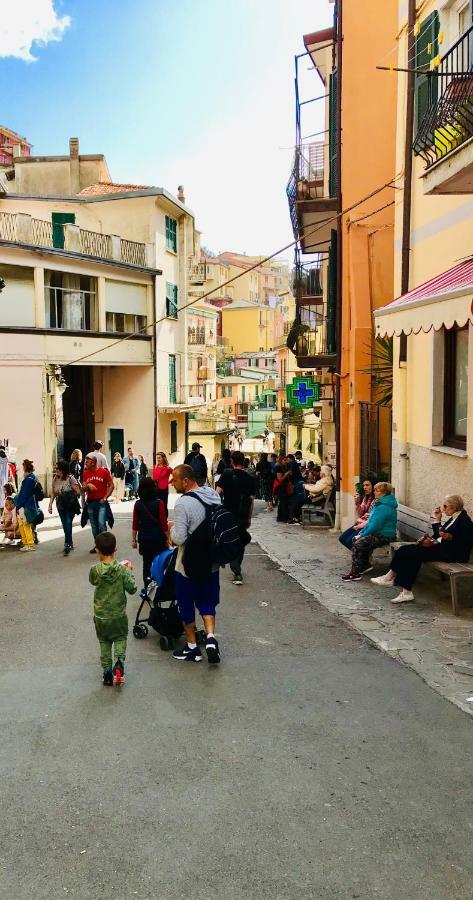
x: 308, y: 765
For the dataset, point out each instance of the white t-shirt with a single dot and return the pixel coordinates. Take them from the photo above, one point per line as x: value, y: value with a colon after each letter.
x: 101, y: 459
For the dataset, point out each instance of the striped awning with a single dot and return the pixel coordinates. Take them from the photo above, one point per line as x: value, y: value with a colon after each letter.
x: 442, y: 302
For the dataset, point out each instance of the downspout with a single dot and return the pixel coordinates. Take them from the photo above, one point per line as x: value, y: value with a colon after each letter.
x: 402, y: 486
x: 155, y: 374
x: 339, y: 294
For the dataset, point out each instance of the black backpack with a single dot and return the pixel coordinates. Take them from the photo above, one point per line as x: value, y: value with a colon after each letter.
x: 38, y: 492
x: 215, y: 541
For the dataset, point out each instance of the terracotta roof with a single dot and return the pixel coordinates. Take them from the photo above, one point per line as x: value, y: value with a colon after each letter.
x: 456, y: 279
x: 318, y: 37
x: 112, y: 187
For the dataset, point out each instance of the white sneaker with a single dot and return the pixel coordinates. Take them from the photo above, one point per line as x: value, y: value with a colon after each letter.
x: 383, y: 579
x: 27, y: 548
x: 404, y: 597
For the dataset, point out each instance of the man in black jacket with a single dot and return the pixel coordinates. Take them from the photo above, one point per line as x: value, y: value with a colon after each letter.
x: 238, y: 488
x: 450, y: 542
x: 198, y: 463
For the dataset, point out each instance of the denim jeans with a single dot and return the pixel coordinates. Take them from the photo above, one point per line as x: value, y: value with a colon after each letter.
x: 97, y: 516
x: 66, y: 520
x: 347, y: 537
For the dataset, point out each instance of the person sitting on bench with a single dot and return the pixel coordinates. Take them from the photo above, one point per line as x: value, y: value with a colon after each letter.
x: 450, y: 542
x: 317, y: 492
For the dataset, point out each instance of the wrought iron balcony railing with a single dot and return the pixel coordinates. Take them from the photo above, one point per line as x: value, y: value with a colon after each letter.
x: 312, y: 337
x: 448, y: 122
x: 198, y: 273
x: 201, y: 337
x: 307, y: 280
x: 306, y: 181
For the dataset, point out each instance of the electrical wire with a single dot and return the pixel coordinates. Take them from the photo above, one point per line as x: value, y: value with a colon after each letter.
x: 261, y: 262
x: 373, y: 213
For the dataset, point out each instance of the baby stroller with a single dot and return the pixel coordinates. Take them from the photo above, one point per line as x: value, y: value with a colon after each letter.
x: 160, y: 597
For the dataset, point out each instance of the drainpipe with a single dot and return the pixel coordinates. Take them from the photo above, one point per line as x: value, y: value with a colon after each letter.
x: 406, y: 250
x: 155, y: 374
x: 339, y: 23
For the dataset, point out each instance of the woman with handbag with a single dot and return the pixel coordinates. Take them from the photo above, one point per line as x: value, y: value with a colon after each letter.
x: 65, y: 491
x: 451, y: 541
x: 149, y: 526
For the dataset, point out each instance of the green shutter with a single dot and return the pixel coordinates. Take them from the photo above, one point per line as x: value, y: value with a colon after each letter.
x: 426, y: 49
x: 58, y: 220
x: 230, y: 390
x: 332, y: 294
x: 224, y: 391
x: 171, y: 300
x: 243, y: 394
x: 172, y: 378
x: 171, y: 234
x: 332, y: 134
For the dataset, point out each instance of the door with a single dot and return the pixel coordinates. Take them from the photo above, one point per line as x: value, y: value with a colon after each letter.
x: 116, y: 441
x: 58, y: 221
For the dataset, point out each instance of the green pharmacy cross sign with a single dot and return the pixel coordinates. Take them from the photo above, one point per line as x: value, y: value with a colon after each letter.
x: 302, y: 393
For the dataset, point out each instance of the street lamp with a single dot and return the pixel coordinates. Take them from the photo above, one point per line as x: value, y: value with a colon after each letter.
x: 60, y: 381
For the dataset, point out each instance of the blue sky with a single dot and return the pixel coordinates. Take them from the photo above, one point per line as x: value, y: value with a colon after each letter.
x: 197, y: 92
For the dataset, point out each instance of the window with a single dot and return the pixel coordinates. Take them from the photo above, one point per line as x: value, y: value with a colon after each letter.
x: 171, y: 234
x: 426, y: 49
x: 230, y: 409
x: 58, y: 221
x: 243, y: 393
x: 70, y: 301
x: 172, y: 378
x: 125, y: 323
x: 455, y: 418
x: 224, y: 391
x: 171, y: 300
x: 173, y: 441
x: 464, y: 18
x: 230, y: 390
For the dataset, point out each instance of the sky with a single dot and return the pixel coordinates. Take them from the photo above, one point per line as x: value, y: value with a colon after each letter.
x: 192, y: 92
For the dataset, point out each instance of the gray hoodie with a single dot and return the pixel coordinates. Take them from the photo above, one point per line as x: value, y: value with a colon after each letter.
x: 188, y: 514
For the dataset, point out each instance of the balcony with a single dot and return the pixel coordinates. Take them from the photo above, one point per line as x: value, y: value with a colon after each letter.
x: 307, y: 282
x: 445, y: 136
x: 312, y: 338
x: 311, y: 208
x: 20, y: 228
x: 200, y: 337
x: 198, y: 273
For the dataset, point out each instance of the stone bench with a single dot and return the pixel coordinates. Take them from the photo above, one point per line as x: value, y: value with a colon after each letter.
x: 414, y: 525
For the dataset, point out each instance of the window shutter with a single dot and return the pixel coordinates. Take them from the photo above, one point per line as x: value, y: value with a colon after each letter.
x: 426, y: 86
x: 332, y: 134
x: 58, y: 220
x: 171, y: 300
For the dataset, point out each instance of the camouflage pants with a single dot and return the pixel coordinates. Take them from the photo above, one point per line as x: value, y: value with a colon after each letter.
x: 112, y: 636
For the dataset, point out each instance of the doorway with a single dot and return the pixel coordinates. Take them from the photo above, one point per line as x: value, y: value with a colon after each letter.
x: 116, y: 442
x: 78, y: 428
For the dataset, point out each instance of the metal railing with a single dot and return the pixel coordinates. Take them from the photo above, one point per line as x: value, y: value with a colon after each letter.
x: 448, y: 122
x: 196, y: 336
x: 95, y: 244
x: 133, y: 252
x: 307, y: 280
x: 313, y: 333
x: 306, y: 181
x: 198, y: 273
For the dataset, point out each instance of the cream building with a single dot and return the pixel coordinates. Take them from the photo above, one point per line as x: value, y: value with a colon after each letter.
x: 86, y: 263
x: 432, y: 323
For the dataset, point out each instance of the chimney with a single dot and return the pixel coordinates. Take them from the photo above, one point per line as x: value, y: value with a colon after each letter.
x: 180, y: 193
x: 74, y: 148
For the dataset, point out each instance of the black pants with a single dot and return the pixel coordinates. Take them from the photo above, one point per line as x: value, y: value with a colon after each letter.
x: 407, y: 561
x: 148, y: 551
x: 163, y: 495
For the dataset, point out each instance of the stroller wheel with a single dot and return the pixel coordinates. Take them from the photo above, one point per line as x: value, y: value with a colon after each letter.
x: 164, y: 642
x: 140, y: 631
x: 200, y: 636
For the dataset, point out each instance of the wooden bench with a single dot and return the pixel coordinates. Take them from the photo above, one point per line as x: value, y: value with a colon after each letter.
x: 414, y: 524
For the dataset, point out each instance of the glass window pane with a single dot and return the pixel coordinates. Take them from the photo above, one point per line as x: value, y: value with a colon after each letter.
x: 109, y: 323
x: 461, y: 384
x: 119, y: 322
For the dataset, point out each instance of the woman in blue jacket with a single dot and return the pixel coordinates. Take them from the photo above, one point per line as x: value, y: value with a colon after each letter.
x: 379, y: 530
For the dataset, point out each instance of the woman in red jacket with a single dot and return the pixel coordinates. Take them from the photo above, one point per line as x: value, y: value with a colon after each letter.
x: 161, y: 476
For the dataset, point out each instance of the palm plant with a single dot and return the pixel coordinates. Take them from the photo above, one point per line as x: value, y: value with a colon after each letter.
x: 381, y: 370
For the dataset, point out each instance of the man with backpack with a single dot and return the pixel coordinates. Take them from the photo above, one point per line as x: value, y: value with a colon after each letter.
x: 238, y: 488
x: 205, y: 535
x: 198, y: 463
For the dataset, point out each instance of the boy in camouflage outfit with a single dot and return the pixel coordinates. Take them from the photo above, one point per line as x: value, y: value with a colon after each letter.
x: 112, y: 581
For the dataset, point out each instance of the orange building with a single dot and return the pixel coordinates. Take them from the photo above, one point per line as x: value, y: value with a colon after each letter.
x: 335, y: 334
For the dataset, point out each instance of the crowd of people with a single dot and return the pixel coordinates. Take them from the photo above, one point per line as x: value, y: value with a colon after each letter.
x: 285, y: 483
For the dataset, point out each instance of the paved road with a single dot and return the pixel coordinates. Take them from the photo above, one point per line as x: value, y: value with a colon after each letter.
x: 309, y: 765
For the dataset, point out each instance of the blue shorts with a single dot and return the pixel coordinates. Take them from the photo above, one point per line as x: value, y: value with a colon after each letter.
x: 191, y: 595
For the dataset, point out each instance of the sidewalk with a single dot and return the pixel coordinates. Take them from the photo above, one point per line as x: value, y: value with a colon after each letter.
x: 424, y: 635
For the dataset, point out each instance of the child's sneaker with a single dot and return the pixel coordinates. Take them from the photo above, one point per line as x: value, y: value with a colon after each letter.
x: 108, y: 677
x: 118, y: 673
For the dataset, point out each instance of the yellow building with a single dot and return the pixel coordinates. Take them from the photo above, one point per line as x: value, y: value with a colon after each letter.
x: 432, y: 323
x: 247, y: 326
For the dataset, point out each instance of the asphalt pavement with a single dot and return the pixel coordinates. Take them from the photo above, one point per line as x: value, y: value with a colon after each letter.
x: 308, y: 765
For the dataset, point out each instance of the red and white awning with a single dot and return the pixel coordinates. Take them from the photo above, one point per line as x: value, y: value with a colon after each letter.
x: 442, y: 302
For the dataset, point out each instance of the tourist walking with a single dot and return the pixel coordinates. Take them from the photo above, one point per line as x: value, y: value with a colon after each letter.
x: 143, y: 468
x: 282, y: 488
x: 76, y: 466
x: 198, y: 463
x: 27, y: 506
x: 238, y: 489
x: 162, y: 472
x: 98, y: 485
x: 102, y: 461
x: 132, y: 468
x: 65, y: 491
x: 265, y: 475
x: 225, y: 462
x: 149, y: 526
x: 118, y: 477
x: 112, y: 582
x: 192, y: 594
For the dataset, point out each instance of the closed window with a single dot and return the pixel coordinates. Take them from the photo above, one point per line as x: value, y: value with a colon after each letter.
x: 125, y: 323
x: 171, y: 234
x: 426, y: 49
x: 171, y: 300
x: 224, y: 391
x: 172, y: 379
x: 455, y: 420
x: 58, y: 221
x: 230, y: 390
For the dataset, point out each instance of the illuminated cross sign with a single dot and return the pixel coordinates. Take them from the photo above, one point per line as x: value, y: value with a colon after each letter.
x: 302, y: 393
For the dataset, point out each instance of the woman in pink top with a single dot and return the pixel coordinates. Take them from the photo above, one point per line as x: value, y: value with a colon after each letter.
x: 161, y: 475
x: 363, y: 504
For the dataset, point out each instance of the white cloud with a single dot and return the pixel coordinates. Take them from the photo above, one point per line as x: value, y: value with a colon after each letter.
x: 27, y: 22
